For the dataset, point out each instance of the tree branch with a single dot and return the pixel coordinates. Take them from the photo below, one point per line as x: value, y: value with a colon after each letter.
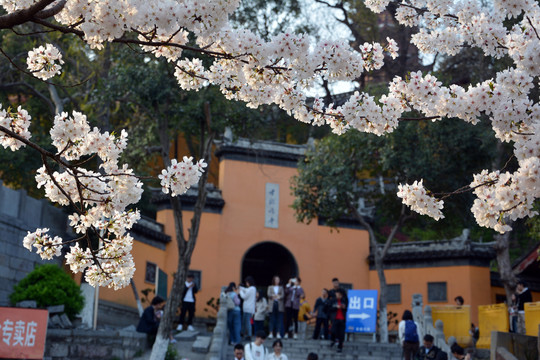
x: 47, y: 13
x: 32, y: 90
x: 21, y: 16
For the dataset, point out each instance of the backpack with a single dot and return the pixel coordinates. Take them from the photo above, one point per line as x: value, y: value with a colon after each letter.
x: 228, y: 302
x: 410, y: 332
x: 251, y: 351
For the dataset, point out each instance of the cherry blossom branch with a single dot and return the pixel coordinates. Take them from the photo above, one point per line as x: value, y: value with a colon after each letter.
x: 532, y: 26
x: 32, y: 145
x: 468, y: 188
x: 203, y: 50
x: 423, y: 11
x: 31, y: 73
x: 46, y: 13
x: 55, y: 182
x: 21, y: 16
x: 124, y: 40
x: 464, y: 189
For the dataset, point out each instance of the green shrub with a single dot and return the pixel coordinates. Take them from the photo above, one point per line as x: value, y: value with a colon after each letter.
x: 49, y: 285
x: 172, y: 353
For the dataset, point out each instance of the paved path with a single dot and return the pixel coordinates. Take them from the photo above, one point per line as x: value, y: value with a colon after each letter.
x: 183, y: 345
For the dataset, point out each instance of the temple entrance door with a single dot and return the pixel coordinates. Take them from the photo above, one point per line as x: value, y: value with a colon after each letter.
x: 266, y: 259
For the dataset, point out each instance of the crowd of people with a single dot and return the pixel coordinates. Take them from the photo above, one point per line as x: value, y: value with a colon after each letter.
x: 409, y: 338
x: 257, y: 351
x: 287, y: 310
x: 289, y: 313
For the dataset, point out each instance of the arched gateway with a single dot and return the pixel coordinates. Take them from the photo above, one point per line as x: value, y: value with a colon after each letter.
x: 266, y: 259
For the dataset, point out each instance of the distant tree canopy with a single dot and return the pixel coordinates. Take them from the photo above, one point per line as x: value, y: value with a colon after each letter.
x: 339, y: 171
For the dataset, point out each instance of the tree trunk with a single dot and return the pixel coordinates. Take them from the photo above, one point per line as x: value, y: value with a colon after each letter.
x: 185, y: 248
x: 137, y: 298
x: 383, y: 311
x: 508, y: 278
x: 379, y: 253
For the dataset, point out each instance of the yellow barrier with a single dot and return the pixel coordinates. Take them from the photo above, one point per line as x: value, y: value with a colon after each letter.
x: 456, y: 320
x: 532, y: 318
x: 491, y: 318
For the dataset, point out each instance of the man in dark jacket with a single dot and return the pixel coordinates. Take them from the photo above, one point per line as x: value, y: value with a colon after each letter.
x: 149, y: 321
x: 430, y: 351
x: 338, y: 315
x: 188, y: 303
x: 523, y: 295
x: 321, y: 309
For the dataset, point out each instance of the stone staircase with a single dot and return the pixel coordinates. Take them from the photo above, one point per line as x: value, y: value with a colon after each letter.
x: 361, y: 348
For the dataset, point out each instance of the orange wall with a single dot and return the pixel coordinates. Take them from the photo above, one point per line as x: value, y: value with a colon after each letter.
x: 471, y: 282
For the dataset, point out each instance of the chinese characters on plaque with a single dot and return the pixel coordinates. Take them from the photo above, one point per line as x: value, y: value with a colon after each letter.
x: 22, y: 333
x: 271, y: 208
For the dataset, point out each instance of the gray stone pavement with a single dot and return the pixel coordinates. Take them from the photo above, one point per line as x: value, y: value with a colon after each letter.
x: 184, y: 345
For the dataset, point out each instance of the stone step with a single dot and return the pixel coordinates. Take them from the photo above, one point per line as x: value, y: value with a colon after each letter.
x: 201, y: 344
x: 187, y: 335
x: 352, y: 350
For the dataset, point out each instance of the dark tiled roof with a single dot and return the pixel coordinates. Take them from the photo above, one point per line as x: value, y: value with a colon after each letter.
x: 214, y: 199
x: 150, y: 229
x: 445, y: 249
x: 264, y: 152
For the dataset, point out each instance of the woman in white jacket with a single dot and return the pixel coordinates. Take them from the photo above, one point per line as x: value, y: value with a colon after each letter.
x: 248, y: 293
x: 409, y: 337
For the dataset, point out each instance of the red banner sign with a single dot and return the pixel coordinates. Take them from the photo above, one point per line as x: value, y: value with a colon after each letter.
x: 22, y: 333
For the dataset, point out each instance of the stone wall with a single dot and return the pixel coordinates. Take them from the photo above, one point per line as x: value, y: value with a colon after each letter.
x: 219, y: 341
x: 520, y: 346
x: 88, y: 345
x: 115, y: 315
x: 20, y: 213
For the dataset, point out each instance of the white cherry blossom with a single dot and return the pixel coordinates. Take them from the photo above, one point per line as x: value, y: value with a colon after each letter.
x: 45, y: 62
x: 417, y: 197
x: 180, y: 176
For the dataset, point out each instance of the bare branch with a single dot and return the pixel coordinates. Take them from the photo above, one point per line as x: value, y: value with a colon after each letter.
x: 32, y: 91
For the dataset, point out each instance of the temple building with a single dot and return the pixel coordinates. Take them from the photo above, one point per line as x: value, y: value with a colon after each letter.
x: 248, y: 228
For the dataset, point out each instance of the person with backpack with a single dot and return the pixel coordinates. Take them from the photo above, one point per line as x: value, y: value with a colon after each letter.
x: 255, y: 350
x: 232, y: 302
x: 408, y: 335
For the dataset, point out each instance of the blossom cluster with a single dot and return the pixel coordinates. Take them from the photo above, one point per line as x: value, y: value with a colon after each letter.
x: 99, y: 197
x: 17, y: 122
x: 45, y: 62
x: 280, y: 71
x: 417, y: 197
x: 46, y: 246
x: 180, y: 176
x: 14, y: 5
x: 448, y: 25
